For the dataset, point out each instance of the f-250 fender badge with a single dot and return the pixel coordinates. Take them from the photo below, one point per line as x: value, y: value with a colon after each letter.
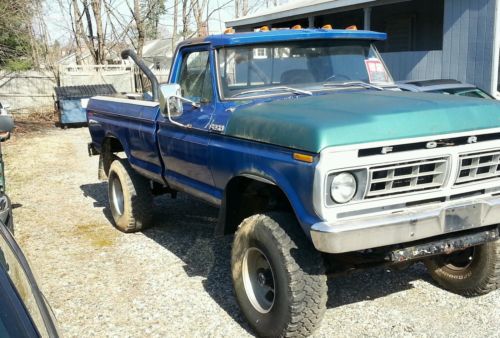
x: 217, y: 127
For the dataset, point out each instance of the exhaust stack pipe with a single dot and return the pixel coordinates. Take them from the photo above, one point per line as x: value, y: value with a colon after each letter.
x: 149, y: 74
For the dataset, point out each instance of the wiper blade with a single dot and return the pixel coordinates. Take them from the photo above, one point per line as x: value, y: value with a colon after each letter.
x: 272, y: 89
x: 352, y: 84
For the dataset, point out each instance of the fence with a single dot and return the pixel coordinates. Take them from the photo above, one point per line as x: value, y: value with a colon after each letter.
x: 29, y: 90
x: 120, y: 76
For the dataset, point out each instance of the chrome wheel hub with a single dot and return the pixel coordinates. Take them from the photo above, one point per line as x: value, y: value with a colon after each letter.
x: 117, y: 195
x: 258, y: 280
x: 460, y: 260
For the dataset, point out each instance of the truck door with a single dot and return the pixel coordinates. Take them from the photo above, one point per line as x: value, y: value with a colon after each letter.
x: 184, y: 150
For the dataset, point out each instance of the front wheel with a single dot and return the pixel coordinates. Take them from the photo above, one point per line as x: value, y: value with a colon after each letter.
x: 279, y: 278
x: 470, y: 272
x: 130, y: 197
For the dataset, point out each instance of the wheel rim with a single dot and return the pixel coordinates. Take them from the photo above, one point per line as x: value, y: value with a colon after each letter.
x: 117, y: 195
x: 258, y: 280
x: 460, y: 260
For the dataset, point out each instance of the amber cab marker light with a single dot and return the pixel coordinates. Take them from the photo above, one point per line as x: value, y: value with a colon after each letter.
x: 229, y: 30
x: 297, y: 27
x: 264, y: 29
x: 327, y: 26
x: 352, y: 28
x: 303, y: 157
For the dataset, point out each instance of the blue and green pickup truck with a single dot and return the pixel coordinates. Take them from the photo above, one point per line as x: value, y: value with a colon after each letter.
x: 319, y: 165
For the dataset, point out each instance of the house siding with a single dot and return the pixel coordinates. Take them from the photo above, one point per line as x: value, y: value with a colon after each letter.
x: 469, y: 42
x: 414, y: 65
x: 468, y: 51
x: 470, y: 46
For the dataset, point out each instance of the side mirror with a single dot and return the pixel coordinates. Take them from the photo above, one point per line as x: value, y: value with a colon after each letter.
x: 6, y: 123
x: 170, y: 99
x: 171, y: 102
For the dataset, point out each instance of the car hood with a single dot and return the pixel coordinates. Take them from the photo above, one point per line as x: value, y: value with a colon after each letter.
x: 313, y: 123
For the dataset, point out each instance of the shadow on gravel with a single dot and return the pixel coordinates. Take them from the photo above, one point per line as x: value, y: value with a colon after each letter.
x: 98, y: 192
x: 185, y: 227
x: 370, y: 284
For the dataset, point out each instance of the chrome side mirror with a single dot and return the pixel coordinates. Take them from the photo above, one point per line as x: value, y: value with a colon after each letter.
x: 170, y: 102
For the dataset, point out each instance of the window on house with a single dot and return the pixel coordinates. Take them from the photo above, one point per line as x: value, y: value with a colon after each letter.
x: 259, y: 53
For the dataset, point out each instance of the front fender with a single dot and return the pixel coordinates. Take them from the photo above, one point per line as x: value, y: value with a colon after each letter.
x: 232, y: 158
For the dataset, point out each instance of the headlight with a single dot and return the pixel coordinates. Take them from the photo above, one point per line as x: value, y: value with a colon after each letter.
x: 343, y: 187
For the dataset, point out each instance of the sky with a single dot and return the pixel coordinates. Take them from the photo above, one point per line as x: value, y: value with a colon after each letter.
x: 59, y: 24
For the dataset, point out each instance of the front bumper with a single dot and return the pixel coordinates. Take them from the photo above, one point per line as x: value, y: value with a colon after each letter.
x: 414, y: 224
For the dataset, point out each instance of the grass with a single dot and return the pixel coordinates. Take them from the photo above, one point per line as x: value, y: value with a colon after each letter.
x: 97, y: 234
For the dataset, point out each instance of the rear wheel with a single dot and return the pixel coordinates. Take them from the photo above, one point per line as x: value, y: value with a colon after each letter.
x: 279, y: 278
x: 130, y: 197
x: 470, y: 272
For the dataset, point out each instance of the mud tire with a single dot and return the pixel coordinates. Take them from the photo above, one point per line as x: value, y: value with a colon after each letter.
x: 132, y: 211
x: 480, y: 276
x: 298, y: 272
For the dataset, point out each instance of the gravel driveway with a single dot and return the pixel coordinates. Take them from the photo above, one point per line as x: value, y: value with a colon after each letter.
x: 173, y: 280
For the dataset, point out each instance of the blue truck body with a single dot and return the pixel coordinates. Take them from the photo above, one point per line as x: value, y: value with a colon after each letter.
x: 307, y: 146
x: 196, y: 161
x: 202, y: 161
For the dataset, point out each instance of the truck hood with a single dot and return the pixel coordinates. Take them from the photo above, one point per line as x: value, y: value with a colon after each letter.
x: 313, y: 123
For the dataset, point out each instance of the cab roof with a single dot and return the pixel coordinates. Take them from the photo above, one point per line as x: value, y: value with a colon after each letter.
x: 235, y: 39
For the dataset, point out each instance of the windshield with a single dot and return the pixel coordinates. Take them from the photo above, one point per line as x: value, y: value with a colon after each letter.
x: 306, y: 65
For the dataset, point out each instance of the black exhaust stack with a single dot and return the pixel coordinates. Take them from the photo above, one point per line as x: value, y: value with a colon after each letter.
x: 149, y: 74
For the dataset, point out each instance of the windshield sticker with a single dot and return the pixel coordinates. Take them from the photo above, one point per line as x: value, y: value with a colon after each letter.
x: 376, y: 71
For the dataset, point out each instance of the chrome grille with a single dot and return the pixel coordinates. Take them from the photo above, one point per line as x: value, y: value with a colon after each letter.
x: 400, y: 178
x: 479, y: 166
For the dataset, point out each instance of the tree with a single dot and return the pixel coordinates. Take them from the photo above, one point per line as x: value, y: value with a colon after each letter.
x: 17, y: 37
x: 96, y: 44
x: 152, y: 10
x: 174, y: 23
x: 244, y: 7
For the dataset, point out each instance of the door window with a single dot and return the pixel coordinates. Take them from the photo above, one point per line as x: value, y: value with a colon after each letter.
x: 195, y: 77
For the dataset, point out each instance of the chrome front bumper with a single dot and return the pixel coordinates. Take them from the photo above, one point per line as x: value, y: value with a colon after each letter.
x: 410, y: 225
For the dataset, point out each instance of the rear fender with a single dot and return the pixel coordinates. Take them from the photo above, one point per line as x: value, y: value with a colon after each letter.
x: 110, y: 146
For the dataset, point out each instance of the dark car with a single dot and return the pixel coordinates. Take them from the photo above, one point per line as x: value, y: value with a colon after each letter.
x: 452, y: 87
x: 23, y: 309
x: 6, y: 126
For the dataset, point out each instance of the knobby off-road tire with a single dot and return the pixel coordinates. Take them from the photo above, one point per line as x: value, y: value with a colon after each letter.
x: 472, y: 272
x: 130, y: 197
x: 285, y: 297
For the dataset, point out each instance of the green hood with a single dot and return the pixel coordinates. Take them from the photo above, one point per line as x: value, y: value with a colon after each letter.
x: 314, y: 122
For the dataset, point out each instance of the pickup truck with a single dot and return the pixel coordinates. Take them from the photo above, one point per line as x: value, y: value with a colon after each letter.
x: 319, y: 165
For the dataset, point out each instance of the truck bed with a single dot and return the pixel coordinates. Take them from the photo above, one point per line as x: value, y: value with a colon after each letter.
x: 133, y: 122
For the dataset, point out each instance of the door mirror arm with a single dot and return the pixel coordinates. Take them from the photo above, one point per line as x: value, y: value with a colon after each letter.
x: 180, y: 98
x: 193, y: 103
x: 171, y: 102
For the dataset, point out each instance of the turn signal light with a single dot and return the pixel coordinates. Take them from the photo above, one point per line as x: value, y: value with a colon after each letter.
x: 352, y: 28
x: 327, y: 26
x: 229, y: 30
x: 303, y: 157
x: 264, y: 29
x: 297, y: 27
